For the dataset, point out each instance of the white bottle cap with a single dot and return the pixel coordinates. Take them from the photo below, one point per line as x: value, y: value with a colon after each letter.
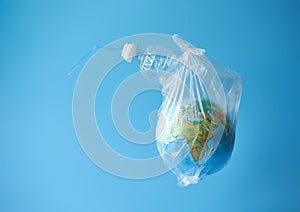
x: 129, y: 51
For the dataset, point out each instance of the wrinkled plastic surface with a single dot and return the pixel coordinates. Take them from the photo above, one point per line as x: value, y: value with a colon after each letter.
x: 196, y: 126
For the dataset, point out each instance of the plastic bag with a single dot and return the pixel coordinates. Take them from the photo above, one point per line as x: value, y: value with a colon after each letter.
x: 197, y: 120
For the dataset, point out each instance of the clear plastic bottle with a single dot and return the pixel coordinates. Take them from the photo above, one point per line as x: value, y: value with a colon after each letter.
x: 150, y: 59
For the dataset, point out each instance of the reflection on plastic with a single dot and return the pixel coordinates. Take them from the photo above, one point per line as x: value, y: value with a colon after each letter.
x: 196, y: 122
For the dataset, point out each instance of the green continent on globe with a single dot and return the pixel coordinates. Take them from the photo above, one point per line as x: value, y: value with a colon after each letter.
x: 196, y: 124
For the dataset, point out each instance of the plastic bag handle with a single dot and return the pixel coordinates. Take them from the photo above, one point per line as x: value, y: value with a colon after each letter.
x: 186, y: 46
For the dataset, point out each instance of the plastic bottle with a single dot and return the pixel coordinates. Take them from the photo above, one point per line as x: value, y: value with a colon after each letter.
x: 147, y: 60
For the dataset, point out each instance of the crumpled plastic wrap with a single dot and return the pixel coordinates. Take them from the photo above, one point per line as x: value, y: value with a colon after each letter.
x: 197, y: 119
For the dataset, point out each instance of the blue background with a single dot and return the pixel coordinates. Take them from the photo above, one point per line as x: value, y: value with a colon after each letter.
x: 43, y: 168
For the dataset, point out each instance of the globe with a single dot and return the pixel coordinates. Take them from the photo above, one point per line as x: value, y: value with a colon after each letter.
x: 197, y: 123
x: 195, y: 129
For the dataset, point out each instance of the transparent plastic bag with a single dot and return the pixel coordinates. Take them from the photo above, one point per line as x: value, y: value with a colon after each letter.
x: 197, y: 119
x: 196, y: 126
